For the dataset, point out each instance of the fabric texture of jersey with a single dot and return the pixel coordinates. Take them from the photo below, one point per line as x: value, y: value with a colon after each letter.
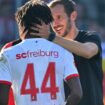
x: 36, y: 68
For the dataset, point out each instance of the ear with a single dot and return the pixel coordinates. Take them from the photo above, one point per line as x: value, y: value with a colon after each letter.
x: 73, y: 15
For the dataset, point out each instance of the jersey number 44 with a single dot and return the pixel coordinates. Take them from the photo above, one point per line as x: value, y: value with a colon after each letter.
x: 33, y: 90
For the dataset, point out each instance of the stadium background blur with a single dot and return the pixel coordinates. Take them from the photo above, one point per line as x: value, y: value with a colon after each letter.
x: 91, y: 16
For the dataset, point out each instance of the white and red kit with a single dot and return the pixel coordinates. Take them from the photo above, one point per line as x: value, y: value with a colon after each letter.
x: 36, y: 68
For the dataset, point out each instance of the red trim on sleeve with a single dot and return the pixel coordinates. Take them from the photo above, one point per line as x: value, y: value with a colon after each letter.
x: 8, y: 45
x: 6, y: 82
x: 71, y: 76
x: 11, y: 98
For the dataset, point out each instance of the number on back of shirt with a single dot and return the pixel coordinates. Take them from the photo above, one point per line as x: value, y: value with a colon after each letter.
x: 33, y: 90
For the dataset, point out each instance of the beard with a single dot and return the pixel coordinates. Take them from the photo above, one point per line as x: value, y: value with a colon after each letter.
x: 68, y: 27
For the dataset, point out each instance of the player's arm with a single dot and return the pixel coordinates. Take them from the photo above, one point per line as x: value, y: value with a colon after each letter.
x: 4, y: 93
x: 71, y: 76
x: 5, y: 80
x: 10, y: 44
x: 86, y: 50
x: 76, y: 91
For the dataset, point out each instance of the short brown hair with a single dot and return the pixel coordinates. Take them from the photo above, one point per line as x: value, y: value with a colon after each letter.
x: 69, y: 5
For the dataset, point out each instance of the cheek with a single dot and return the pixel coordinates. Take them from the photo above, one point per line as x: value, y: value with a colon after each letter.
x: 68, y: 24
x: 65, y: 25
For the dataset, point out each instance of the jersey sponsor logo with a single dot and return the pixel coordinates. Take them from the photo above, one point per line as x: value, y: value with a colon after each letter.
x: 38, y: 53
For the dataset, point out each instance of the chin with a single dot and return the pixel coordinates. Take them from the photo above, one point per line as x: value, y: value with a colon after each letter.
x: 60, y: 33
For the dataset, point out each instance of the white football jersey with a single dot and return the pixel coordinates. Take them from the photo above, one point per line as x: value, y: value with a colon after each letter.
x: 36, y: 68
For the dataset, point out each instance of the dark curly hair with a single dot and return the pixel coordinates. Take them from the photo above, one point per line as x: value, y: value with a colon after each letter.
x: 33, y: 11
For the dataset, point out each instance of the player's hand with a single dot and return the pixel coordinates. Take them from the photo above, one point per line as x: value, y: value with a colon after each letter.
x: 41, y: 30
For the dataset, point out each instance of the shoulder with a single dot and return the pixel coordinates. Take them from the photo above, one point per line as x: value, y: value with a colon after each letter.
x: 93, y: 36
x: 8, y: 49
x: 92, y: 33
x: 10, y: 44
x: 7, y: 45
x: 86, y: 36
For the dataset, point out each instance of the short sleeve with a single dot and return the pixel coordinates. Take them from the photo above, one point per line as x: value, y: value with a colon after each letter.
x: 94, y: 37
x: 70, y: 69
x: 5, y: 76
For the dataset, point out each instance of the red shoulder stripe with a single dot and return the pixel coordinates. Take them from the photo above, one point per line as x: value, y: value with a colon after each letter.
x: 11, y: 97
x: 72, y: 76
x: 8, y: 45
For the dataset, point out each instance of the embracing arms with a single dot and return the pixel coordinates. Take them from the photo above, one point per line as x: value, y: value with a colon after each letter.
x: 86, y: 50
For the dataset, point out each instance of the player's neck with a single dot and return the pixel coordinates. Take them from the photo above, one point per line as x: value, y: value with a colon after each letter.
x: 32, y: 36
x: 72, y: 33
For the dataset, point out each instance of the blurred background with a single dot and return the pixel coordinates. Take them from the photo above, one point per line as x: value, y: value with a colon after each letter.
x: 91, y: 16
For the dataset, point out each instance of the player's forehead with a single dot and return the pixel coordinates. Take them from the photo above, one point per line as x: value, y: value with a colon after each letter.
x: 58, y: 10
